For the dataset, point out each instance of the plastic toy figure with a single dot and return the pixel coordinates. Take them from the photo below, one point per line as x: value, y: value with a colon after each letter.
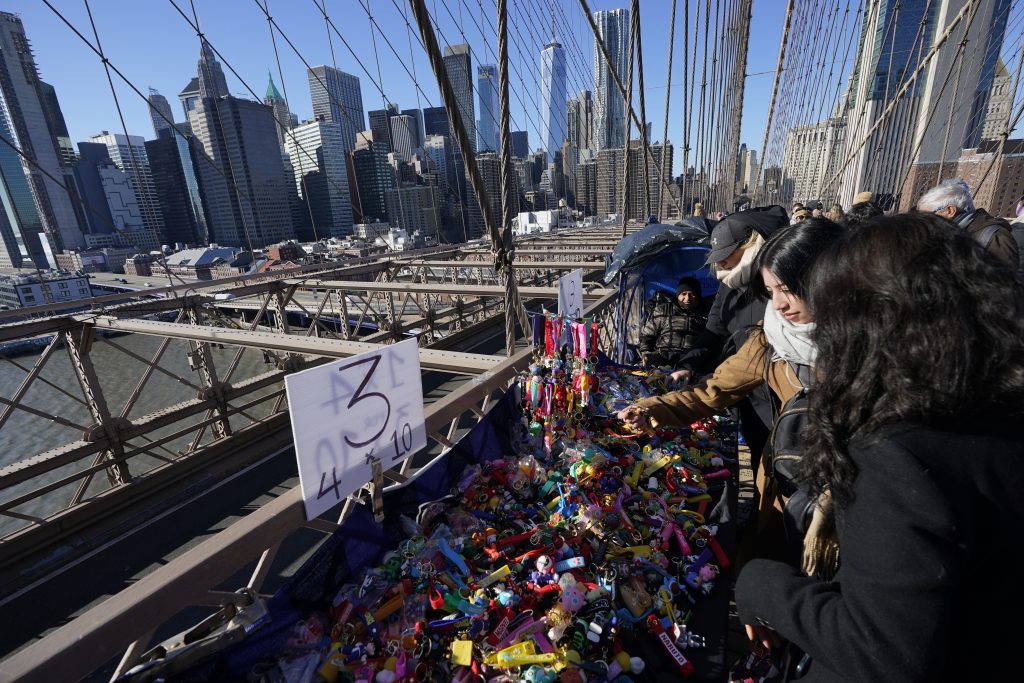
x: 544, y: 572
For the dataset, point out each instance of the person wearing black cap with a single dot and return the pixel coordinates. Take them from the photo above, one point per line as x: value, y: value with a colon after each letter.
x: 673, y: 325
x: 736, y: 311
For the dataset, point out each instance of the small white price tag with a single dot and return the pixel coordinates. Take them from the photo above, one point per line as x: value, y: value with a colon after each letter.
x: 570, y: 294
x: 351, y: 412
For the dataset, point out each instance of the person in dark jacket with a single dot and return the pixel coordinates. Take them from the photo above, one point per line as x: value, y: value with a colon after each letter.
x: 914, y: 432
x: 736, y: 311
x: 952, y: 199
x: 673, y: 325
x: 1017, y: 230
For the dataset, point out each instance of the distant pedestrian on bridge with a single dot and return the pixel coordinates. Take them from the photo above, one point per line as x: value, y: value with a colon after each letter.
x: 952, y: 200
x: 861, y: 211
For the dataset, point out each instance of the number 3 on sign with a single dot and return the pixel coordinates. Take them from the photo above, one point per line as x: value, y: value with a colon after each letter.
x: 347, y: 414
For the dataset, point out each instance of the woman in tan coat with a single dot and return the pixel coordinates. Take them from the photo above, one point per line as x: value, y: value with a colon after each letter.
x: 776, y: 353
x: 779, y: 353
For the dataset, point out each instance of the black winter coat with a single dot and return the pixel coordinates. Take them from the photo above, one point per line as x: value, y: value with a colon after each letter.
x: 1001, y: 243
x: 930, y: 583
x: 670, y: 332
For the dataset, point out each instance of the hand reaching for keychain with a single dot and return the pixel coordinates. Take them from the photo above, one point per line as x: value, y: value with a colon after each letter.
x: 683, y: 376
x: 637, y: 418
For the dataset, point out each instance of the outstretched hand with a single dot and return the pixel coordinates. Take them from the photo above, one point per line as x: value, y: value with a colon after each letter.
x: 681, y: 375
x: 635, y: 418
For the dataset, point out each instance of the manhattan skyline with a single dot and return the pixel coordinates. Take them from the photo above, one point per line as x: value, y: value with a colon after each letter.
x: 238, y: 31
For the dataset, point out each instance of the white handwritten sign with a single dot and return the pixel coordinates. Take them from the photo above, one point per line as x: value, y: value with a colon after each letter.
x: 351, y: 412
x: 570, y: 294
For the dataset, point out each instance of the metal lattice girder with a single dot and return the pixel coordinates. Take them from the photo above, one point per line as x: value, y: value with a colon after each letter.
x: 457, y: 363
x: 519, y: 265
x: 240, y: 281
x: 462, y: 289
x: 560, y: 250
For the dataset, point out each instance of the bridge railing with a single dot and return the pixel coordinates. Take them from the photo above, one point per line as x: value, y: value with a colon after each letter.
x: 126, y: 622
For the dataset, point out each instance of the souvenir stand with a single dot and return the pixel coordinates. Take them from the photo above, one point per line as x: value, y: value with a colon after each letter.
x: 550, y: 544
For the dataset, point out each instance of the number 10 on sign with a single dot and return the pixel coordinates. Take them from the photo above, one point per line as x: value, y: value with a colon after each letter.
x: 351, y: 412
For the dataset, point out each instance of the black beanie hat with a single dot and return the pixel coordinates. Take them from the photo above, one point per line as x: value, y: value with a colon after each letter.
x: 690, y: 284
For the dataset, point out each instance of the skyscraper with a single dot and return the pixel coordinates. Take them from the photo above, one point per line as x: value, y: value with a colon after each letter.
x: 129, y: 153
x: 552, y: 97
x: 321, y: 178
x: 1000, y: 104
x: 520, y: 144
x: 337, y: 98
x: 579, y: 119
x: 174, y: 182
x: 435, y: 121
x: 28, y: 125
x: 189, y: 96
x: 380, y: 124
x: 812, y: 156
x: 212, y: 82
x: 21, y: 230
x: 459, y: 66
x: 279, y: 107
x: 108, y: 191
x: 487, y: 93
x: 402, y: 128
x: 417, y: 127
x: 437, y: 149
x: 610, y: 184
x: 160, y: 114
x: 609, y: 109
x: 373, y: 179
x: 58, y: 127
x: 243, y: 174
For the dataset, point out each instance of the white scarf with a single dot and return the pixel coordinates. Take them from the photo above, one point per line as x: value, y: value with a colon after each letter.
x: 789, y: 341
x: 738, y: 277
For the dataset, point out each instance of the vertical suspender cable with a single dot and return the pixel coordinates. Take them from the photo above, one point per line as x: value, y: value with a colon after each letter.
x: 701, y: 170
x: 740, y: 75
x: 507, y: 183
x: 627, y: 98
x: 643, y: 107
x: 614, y: 73
x: 684, y: 193
x: 501, y: 244
x: 775, y: 91
x: 668, y: 98
x: 1011, y: 124
x: 936, y: 46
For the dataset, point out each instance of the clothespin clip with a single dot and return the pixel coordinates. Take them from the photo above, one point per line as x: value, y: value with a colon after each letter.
x: 378, y: 489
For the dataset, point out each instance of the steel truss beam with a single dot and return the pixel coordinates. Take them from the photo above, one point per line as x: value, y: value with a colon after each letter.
x: 459, y: 364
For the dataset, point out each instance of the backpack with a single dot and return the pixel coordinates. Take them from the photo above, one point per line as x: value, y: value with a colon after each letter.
x: 783, y: 453
x: 985, y: 236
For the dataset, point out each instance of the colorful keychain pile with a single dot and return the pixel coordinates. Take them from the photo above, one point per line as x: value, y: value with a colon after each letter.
x: 579, y: 557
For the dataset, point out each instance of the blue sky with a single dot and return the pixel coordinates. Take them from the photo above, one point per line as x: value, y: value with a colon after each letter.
x: 153, y: 45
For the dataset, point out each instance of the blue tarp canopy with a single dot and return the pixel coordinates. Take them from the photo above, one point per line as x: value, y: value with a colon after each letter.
x: 651, y: 260
x: 647, y: 243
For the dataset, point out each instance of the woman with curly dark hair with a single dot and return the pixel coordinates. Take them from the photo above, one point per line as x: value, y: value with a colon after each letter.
x: 915, y: 432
